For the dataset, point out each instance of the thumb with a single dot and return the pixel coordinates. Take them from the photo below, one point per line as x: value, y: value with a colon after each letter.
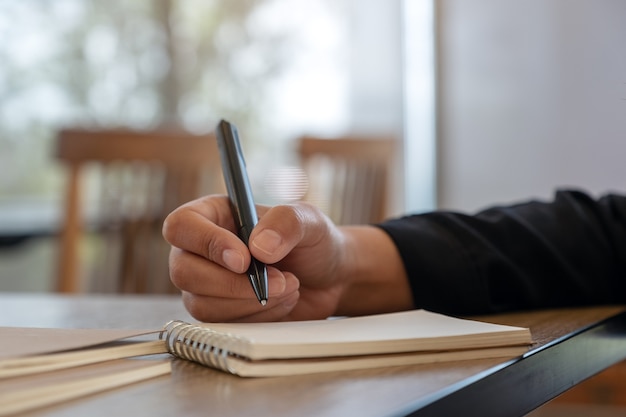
x: 282, y: 228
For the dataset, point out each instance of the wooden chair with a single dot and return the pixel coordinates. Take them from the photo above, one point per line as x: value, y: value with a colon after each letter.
x: 121, y: 185
x: 349, y: 176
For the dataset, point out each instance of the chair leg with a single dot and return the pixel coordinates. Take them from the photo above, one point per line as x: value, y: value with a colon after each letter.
x: 67, y: 274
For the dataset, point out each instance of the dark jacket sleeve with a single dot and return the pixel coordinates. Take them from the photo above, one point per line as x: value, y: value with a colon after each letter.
x: 567, y: 252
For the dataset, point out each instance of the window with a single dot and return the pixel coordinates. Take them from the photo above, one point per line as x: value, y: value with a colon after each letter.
x: 277, y: 68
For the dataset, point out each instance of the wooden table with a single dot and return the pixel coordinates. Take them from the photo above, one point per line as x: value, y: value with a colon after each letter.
x: 571, y: 345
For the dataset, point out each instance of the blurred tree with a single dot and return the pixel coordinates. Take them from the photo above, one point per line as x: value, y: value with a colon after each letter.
x: 138, y: 64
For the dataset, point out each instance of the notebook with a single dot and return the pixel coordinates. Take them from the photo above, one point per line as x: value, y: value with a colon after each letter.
x: 45, y: 366
x: 272, y: 349
x: 289, y: 348
x: 19, y: 394
x: 54, y: 365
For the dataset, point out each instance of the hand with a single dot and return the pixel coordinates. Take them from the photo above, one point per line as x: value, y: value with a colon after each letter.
x: 315, y: 269
x: 208, y: 261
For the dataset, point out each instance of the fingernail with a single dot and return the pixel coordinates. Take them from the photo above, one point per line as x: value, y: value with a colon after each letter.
x: 233, y: 260
x: 277, y: 285
x: 267, y: 241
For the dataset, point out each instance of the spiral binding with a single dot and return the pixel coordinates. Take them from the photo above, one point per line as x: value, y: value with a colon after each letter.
x: 200, y: 344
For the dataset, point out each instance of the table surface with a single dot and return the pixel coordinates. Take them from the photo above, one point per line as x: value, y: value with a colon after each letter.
x: 417, y: 390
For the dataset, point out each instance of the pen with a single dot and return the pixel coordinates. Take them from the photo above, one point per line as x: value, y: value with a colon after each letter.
x: 241, y: 201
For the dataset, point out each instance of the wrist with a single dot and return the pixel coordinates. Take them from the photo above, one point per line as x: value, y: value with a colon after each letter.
x: 372, y: 273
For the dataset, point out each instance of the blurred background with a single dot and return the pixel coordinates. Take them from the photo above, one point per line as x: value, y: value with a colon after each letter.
x: 486, y: 101
x: 278, y: 69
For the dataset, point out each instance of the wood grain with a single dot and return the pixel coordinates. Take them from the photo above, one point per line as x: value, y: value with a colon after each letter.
x: 193, y: 390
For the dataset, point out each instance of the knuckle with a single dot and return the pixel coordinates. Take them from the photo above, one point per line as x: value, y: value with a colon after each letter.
x: 290, y: 216
x: 177, y: 268
x: 234, y: 287
x: 297, y: 218
x: 199, y: 308
x: 212, y: 247
x: 171, y: 225
x: 194, y: 307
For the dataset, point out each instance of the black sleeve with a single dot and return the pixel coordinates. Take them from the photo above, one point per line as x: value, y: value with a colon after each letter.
x: 567, y: 252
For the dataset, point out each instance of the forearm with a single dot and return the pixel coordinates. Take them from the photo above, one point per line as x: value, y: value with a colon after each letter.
x: 372, y: 272
x: 570, y: 251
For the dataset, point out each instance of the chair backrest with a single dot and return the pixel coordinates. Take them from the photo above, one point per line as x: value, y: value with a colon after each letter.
x: 349, y: 176
x: 121, y: 185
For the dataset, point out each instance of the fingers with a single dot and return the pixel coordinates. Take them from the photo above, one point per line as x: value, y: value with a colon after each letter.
x: 204, y: 227
x: 208, y: 260
x: 229, y: 297
x: 192, y: 273
x: 229, y: 311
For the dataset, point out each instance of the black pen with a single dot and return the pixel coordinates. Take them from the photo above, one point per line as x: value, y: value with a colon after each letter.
x: 241, y: 201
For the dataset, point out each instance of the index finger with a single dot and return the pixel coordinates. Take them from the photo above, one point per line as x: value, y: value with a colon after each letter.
x: 205, y: 227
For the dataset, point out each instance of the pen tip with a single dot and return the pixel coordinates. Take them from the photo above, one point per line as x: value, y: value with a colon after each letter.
x: 263, y: 302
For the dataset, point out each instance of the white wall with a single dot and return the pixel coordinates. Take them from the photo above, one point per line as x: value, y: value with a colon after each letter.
x: 376, y: 82
x: 532, y: 96
x: 376, y: 86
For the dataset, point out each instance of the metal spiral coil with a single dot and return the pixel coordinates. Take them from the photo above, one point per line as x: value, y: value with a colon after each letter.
x: 199, y: 344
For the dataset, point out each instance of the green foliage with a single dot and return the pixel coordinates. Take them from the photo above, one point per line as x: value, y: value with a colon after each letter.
x: 138, y: 64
